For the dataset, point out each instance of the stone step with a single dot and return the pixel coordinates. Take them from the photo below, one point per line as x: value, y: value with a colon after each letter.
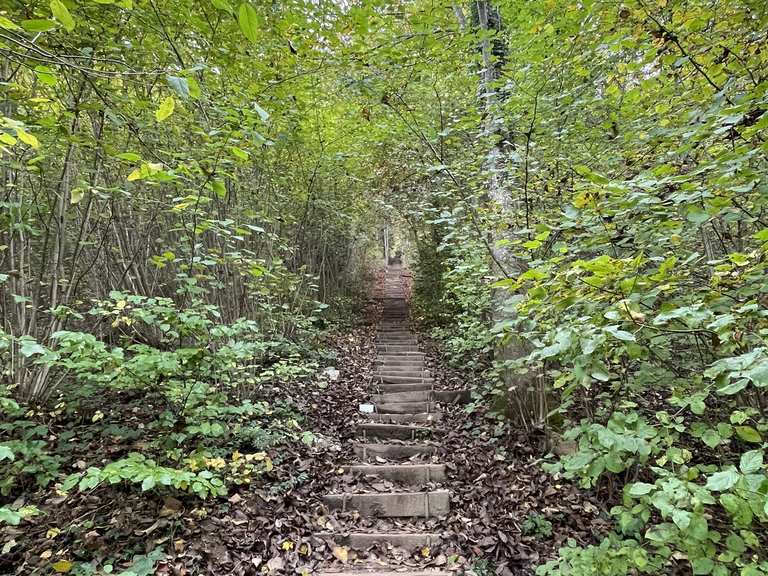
x: 413, y: 474
x: 406, y: 407
x: 399, y: 397
x: 398, y: 349
x: 421, y: 418
x: 415, y: 375
x: 364, y: 540
x: 403, y: 379
x: 366, y: 451
x: 413, y: 387
x: 395, y: 431
x: 407, y: 356
x: 409, y: 361
x: 435, y: 504
x: 397, y: 369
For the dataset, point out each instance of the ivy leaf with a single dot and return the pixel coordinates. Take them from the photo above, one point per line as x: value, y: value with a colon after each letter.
x: 166, y: 109
x: 61, y: 13
x: 751, y: 461
x: 248, y: 19
x: 721, y: 481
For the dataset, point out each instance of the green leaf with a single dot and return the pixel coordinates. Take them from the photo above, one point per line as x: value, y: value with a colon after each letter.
x: 6, y: 453
x: 263, y: 114
x: 46, y: 75
x: 38, y: 25
x: 148, y: 483
x: 751, y: 461
x: 711, y: 438
x: 702, y: 565
x: 180, y: 85
x: 165, y: 109
x: 239, y: 153
x: 734, y: 387
x: 623, y: 335
x: 640, y: 488
x: 30, y: 348
x: 748, y: 434
x: 8, y: 24
x: 248, y: 19
x: 129, y: 156
x: 61, y: 13
x: 222, y: 5
x: 723, y: 480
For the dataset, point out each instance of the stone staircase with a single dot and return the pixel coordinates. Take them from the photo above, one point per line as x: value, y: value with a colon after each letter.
x: 396, y: 450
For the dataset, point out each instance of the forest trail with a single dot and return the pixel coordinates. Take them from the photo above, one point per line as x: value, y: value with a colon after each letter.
x: 402, y: 489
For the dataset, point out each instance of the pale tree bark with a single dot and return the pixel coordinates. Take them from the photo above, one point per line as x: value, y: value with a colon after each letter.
x: 527, y: 394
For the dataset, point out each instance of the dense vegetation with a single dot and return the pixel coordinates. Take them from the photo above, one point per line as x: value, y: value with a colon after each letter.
x: 192, y: 194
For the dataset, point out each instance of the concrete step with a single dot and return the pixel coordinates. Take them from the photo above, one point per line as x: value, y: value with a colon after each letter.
x: 402, y: 371
x: 413, y: 474
x: 453, y: 396
x: 422, y: 418
x: 406, y: 408
x: 435, y: 504
x: 414, y: 387
x: 399, y: 397
x: 408, y: 356
x: 367, y: 451
x: 364, y: 540
x: 395, y: 431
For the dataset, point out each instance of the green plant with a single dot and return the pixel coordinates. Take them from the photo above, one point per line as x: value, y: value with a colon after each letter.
x: 536, y: 525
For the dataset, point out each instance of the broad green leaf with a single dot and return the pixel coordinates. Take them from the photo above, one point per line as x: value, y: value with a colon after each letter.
x: 6, y: 453
x: 748, y: 434
x: 711, y: 438
x: 239, y: 153
x: 751, y: 461
x: 8, y: 24
x: 165, y: 109
x: 721, y: 481
x: 46, y: 75
x: 222, y: 5
x: 623, y: 335
x: 180, y: 85
x: 248, y: 19
x: 38, y: 25
x: 640, y: 488
x: 27, y: 138
x: 61, y: 13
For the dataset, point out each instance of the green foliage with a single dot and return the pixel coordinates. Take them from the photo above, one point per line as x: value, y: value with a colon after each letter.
x: 536, y: 525
x: 138, y: 469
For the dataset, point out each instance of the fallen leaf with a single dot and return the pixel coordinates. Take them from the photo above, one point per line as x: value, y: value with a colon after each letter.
x: 63, y: 566
x: 47, y: 554
x: 341, y: 552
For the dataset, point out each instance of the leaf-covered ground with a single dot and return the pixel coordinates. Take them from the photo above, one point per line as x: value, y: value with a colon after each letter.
x: 506, y: 513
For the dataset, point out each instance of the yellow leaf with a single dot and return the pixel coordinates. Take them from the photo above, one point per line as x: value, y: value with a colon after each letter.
x: 287, y: 545
x: 121, y: 304
x: 63, y: 566
x: 6, y: 138
x: 47, y: 554
x: 135, y: 175
x: 52, y: 533
x: 27, y: 138
x: 341, y: 553
x: 425, y: 551
x: 165, y: 109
